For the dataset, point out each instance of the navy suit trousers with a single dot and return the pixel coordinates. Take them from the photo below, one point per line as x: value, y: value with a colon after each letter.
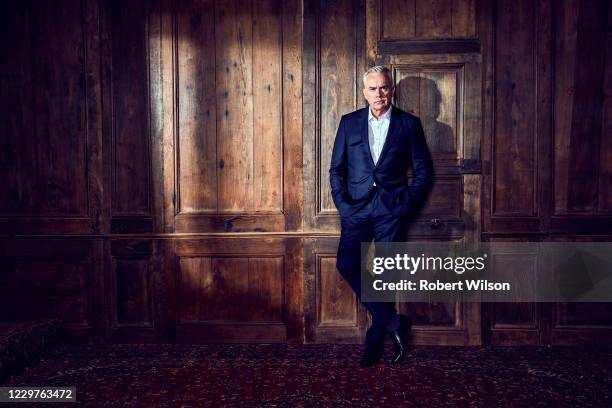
x: 372, y: 221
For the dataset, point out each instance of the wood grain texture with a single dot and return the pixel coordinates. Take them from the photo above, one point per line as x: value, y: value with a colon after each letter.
x: 234, y: 95
x: 426, y: 20
x: 605, y: 158
x: 267, y: 105
x: 438, y: 107
x: 113, y: 119
x: 331, y: 310
x: 337, y: 84
x: 444, y: 91
x: 398, y: 19
x: 197, y: 101
x: 133, y: 293
x: 130, y: 109
x: 244, y: 283
x: 514, y: 138
x: 292, y: 117
x: 337, y: 301
x: 217, y: 291
x: 266, y: 286
x: 445, y: 200
x: 433, y: 19
x: 60, y: 278
x: 233, y: 69
x: 463, y: 18
x: 432, y: 314
x: 578, y: 105
x: 44, y: 111
x: 53, y: 288
x: 166, y: 111
x: 156, y: 119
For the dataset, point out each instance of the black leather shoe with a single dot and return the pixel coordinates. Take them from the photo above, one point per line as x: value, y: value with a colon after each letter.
x: 371, y: 355
x: 400, y: 340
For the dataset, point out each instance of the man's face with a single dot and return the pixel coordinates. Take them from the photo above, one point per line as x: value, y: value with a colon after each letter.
x: 378, y: 91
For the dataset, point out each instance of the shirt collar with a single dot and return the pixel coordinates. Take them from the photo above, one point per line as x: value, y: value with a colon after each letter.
x: 386, y: 115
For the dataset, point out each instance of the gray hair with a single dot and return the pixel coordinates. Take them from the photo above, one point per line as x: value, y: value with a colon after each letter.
x: 378, y: 69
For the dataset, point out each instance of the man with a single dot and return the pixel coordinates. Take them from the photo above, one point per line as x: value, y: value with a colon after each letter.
x: 373, y: 149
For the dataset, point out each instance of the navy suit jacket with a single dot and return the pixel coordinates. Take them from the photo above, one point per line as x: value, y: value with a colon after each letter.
x: 352, y: 170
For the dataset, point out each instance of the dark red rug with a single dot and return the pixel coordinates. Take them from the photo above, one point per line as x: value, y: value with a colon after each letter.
x: 325, y: 376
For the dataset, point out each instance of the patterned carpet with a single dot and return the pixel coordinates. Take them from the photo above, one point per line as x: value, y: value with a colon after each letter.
x: 325, y: 376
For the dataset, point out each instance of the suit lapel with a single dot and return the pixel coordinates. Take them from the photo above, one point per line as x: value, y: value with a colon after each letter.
x: 394, y: 128
x: 365, y: 131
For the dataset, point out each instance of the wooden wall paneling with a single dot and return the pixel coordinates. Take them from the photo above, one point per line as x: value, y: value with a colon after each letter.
x: 398, y: 19
x: 129, y: 105
x: 545, y: 85
x: 292, y: 120
x: 486, y: 34
x: 445, y: 92
x: 463, y: 19
x: 267, y: 106
x: 580, y: 323
x: 163, y: 49
x: 432, y: 19
x: 565, y: 61
x: 56, y: 180
x: 166, y: 289
x: 98, y: 292
x: 97, y: 200
x: 516, y: 323
x: 309, y: 104
x: 411, y: 20
x: 442, y: 323
x: 294, y: 293
x: 472, y: 204
x: 471, y: 148
x: 371, y: 30
x: 164, y: 121
x: 332, y: 312
x: 234, y: 289
x: 197, y: 113
x: 337, y: 87
x: 333, y: 66
x: 52, y: 119
x: 59, y: 278
x: 156, y: 100
x: 231, y: 288
x: 604, y: 199
x: 514, y: 139
x: 234, y: 82
x: 443, y: 86
x: 337, y: 302
x: 520, y: 127
x: 520, y: 323
x: 579, y: 100
x: 132, y: 288
x: 106, y: 119
x: 239, y: 184
x: 578, y: 97
x: 17, y: 111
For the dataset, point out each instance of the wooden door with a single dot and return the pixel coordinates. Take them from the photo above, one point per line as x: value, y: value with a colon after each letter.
x: 443, y: 90
x: 230, y: 81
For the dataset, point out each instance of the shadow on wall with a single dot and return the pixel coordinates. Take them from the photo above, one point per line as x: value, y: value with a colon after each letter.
x: 428, y: 105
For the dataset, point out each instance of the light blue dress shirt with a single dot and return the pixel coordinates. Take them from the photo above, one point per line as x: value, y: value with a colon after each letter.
x: 377, y: 133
